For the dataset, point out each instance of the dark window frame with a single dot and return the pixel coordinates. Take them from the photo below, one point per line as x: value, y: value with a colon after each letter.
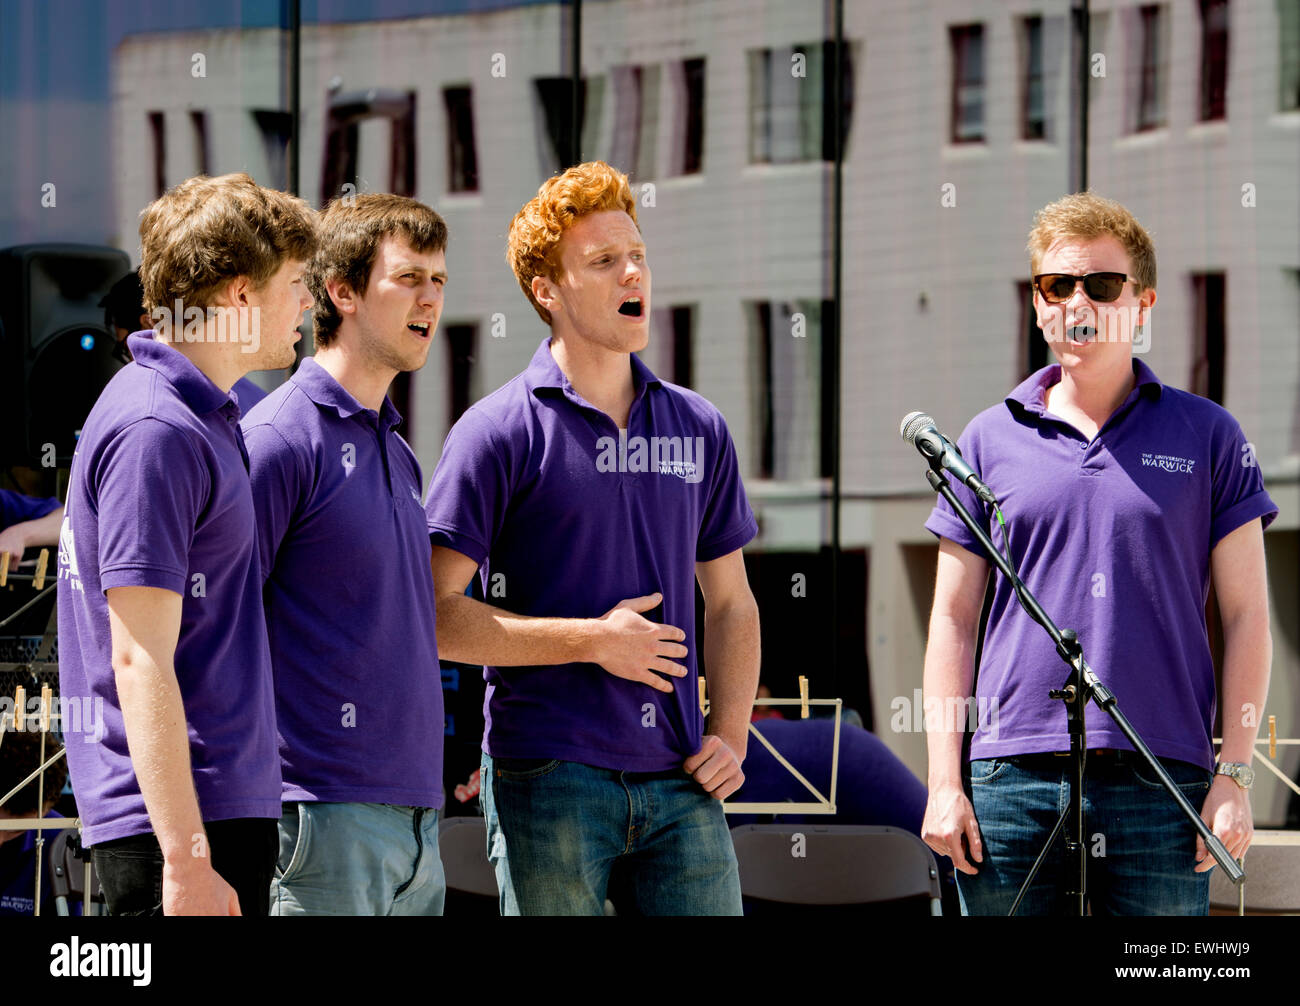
x: 462, y: 148
x: 1215, y: 26
x: 1032, y: 34
x: 967, y: 65
x: 158, y: 130
x: 1209, y: 335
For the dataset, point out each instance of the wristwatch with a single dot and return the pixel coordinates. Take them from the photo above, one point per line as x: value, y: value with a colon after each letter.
x: 1240, y: 773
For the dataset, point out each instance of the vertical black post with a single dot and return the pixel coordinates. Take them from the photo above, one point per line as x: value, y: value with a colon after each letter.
x: 1085, y: 69
x: 575, y: 109
x: 837, y: 291
x: 295, y: 91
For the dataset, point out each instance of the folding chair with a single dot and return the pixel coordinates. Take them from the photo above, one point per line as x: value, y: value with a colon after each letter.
x: 471, y: 881
x: 1272, y: 882
x: 69, y: 865
x: 834, y: 865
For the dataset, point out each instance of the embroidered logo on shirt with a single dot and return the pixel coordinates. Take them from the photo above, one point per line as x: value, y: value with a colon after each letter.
x: 680, y: 456
x: 1167, y: 462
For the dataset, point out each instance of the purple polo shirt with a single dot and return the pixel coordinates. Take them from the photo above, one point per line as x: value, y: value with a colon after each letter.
x: 349, y: 596
x: 248, y: 394
x: 159, y: 497
x: 15, y: 508
x: 566, y: 520
x: 1113, y: 536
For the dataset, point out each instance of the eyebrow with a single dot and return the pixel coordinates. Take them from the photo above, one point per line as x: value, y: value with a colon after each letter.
x: 412, y: 267
x: 638, y: 246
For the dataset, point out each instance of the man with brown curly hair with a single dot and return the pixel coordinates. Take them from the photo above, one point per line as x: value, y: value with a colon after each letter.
x: 592, y: 495
x: 160, y: 602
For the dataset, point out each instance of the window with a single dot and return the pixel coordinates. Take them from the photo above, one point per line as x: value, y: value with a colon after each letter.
x: 1033, y: 106
x: 462, y: 155
x: 275, y: 128
x: 790, y: 369
x: 461, y: 343
x: 1034, y: 351
x: 342, y: 137
x: 1288, y: 63
x: 1150, y: 91
x: 555, y: 96
x: 199, y: 123
x: 792, y: 103
x: 1209, y: 335
x: 967, y: 83
x: 636, y: 120
x: 158, y: 129
x: 689, y: 150
x: 683, y: 334
x: 1214, y: 59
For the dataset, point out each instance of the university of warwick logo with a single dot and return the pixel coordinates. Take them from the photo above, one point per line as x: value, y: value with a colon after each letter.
x: 679, y: 456
x: 1167, y: 462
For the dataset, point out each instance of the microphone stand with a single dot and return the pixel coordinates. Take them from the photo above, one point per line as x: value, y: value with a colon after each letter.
x: 1081, y: 686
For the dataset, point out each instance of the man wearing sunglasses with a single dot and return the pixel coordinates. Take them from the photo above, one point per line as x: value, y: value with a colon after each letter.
x: 1122, y: 498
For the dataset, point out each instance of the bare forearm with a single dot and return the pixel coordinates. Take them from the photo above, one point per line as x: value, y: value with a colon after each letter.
x: 160, y: 751
x: 949, y: 671
x: 732, y: 660
x: 472, y: 632
x: 43, y: 530
x: 1247, y: 656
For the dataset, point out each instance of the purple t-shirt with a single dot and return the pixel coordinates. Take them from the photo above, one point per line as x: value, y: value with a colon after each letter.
x: 349, y: 596
x: 159, y: 497
x: 15, y: 508
x: 1113, y: 537
x: 567, y: 519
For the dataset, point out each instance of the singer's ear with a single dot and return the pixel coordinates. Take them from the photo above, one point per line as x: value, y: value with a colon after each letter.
x: 544, y: 289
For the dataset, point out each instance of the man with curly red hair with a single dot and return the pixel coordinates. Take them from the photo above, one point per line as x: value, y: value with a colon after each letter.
x: 591, y: 494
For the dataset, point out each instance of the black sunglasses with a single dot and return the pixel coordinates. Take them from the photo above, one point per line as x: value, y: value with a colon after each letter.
x: 1102, y: 287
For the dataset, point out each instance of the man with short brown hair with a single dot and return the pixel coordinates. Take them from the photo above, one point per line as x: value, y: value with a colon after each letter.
x: 348, y: 588
x: 160, y: 608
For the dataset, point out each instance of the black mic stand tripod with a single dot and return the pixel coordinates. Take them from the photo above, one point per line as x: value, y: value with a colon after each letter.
x: 1081, y: 686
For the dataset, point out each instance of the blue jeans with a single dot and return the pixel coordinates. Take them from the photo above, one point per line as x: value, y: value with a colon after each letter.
x: 1141, y: 849
x: 563, y: 836
x: 358, y: 859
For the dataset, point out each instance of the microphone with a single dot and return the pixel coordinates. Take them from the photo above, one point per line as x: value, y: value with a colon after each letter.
x: 919, y: 430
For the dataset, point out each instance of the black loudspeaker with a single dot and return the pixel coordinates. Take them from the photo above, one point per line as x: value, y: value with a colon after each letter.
x: 55, y: 354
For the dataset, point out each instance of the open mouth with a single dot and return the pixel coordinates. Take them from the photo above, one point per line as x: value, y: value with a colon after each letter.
x: 631, y: 308
x: 421, y: 328
x: 1081, y: 333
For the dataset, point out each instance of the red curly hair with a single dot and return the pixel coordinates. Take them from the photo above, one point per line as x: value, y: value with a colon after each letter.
x: 560, y: 203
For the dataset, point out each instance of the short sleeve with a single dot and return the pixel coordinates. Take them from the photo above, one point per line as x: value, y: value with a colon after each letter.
x: 1237, y: 493
x: 16, y: 508
x: 470, y: 490
x: 276, y: 474
x: 150, y: 488
x: 728, y: 521
x: 943, y: 521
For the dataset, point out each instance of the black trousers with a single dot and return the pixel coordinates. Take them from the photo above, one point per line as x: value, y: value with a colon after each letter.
x: 243, y: 852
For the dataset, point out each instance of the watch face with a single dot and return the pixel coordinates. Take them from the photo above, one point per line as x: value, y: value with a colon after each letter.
x: 1246, y: 775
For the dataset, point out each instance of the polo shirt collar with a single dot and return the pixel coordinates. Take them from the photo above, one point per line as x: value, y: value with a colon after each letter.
x: 1031, y: 394
x: 319, y: 385
x: 199, y: 393
x: 543, y: 373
